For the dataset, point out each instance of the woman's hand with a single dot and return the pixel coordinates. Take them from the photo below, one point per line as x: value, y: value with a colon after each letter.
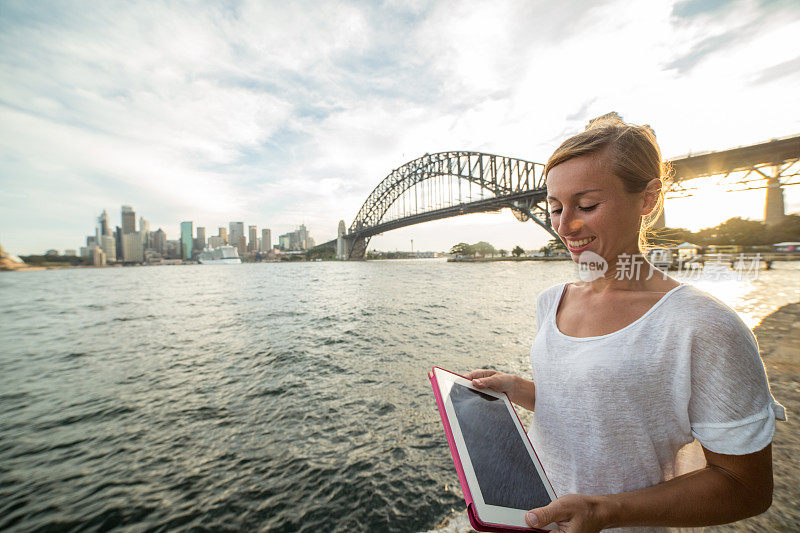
x: 574, y: 513
x: 496, y: 381
x: 519, y: 390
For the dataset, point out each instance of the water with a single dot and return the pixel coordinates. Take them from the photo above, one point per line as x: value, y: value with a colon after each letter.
x: 287, y: 397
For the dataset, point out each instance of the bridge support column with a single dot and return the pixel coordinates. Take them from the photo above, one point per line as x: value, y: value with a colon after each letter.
x: 357, y: 249
x: 773, y: 208
x: 342, y: 243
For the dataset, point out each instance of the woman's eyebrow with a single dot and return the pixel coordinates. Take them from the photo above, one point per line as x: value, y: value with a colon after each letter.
x: 579, y: 193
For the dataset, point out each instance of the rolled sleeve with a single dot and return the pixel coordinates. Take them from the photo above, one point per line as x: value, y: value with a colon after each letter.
x: 740, y: 437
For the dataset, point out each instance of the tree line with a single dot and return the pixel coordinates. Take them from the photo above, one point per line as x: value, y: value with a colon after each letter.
x: 735, y: 230
x: 484, y: 249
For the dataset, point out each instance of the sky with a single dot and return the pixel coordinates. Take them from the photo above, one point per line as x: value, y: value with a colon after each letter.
x: 282, y: 113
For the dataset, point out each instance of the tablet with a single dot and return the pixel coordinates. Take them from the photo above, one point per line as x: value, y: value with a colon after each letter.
x: 500, y: 475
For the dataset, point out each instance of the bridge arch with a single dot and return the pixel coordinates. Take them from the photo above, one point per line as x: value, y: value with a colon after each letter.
x: 448, y: 184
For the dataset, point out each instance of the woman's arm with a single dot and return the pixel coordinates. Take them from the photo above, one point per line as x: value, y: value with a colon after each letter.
x: 520, y: 391
x: 729, y: 488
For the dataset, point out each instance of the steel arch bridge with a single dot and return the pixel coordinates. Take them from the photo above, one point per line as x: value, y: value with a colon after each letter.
x: 444, y: 185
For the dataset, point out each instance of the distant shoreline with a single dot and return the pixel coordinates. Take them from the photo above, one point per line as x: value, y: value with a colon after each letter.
x: 492, y: 259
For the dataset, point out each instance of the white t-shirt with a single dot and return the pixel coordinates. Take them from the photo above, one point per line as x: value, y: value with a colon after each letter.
x: 613, y: 411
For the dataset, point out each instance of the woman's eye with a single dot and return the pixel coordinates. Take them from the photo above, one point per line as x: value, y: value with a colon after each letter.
x: 588, y: 208
x: 555, y: 211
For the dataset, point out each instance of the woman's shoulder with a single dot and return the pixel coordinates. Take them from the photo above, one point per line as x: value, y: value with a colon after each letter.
x: 709, y: 316
x: 701, y: 305
x: 550, y: 295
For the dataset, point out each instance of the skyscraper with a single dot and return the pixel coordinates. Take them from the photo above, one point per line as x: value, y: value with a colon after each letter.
x: 109, y: 246
x: 102, y: 225
x: 200, y: 241
x: 133, y: 247
x: 252, y: 246
x: 223, y: 234
x: 187, y: 240
x: 266, y: 240
x: 303, y: 236
x: 236, y: 231
x: 118, y: 242
x: 128, y: 219
x: 144, y: 227
x: 160, y: 241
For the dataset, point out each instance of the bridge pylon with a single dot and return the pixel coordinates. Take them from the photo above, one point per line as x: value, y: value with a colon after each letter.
x: 343, y: 244
x: 773, y: 207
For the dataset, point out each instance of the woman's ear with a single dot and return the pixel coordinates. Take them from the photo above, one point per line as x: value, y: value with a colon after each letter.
x: 651, y: 195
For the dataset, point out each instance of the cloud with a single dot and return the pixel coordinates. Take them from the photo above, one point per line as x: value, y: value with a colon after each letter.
x: 712, y: 28
x: 689, y: 9
x: 581, y: 113
x: 776, y: 72
x: 707, y: 47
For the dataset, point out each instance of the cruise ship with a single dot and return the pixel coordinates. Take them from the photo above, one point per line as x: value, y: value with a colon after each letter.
x: 224, y: 255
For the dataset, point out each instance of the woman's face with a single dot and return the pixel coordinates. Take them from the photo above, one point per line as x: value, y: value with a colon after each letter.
x: 591, y: 210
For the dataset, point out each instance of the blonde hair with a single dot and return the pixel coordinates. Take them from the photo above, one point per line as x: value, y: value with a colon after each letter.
x: 632, y: 153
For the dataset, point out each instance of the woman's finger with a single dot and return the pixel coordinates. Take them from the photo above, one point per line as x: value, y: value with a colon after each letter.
x: 480, y: 373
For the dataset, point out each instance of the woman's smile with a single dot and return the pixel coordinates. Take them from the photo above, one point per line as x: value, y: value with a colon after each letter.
x: 578, y: 245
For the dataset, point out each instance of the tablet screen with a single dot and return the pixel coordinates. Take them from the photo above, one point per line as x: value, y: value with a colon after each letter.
x: 504, y: 469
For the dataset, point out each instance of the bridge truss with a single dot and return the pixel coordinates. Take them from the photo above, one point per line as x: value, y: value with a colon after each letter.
x: 448, y: 184
x: 766, y: 165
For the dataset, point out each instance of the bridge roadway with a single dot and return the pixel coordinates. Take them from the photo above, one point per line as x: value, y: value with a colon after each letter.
x: 771, y: 153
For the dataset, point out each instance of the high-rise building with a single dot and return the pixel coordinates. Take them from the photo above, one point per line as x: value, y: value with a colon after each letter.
x: 252, y: 245
x: 144, y: 227
x: 200, y: 241
x: 285, y: 241
x: 223, y: 234
x: 98, y: 256
x: 102, y: 227
x: 241, y: 246
x: 159, y: 241
x: 174, y: 249
x: 128, y: 219
x: 109, y: 246
x: 187, y: 239
x: 215, y: 241
x: 118, y: 242
x: 133, y: 247
x: 266, y: 240
x: 236, y: 231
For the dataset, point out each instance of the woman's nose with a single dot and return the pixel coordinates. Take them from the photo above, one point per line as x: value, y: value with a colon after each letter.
x: 568, y: 222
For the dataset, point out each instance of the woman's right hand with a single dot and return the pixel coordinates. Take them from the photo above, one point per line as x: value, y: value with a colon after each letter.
x: 491, y: 379
x: 520, y: 391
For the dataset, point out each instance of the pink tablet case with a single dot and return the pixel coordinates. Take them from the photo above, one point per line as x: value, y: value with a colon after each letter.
x: 474, y: 519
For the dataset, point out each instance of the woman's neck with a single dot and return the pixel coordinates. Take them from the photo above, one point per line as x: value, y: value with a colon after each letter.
x: 630, y: 271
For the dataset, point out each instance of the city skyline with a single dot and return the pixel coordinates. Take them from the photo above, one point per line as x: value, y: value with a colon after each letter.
x: 127, y: 243
x: 272, y: 112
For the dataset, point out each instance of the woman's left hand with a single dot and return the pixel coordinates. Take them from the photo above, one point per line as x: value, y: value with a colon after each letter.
x: 574, y: 513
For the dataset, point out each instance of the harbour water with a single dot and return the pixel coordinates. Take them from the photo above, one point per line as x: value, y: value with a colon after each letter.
x: 286, y: 397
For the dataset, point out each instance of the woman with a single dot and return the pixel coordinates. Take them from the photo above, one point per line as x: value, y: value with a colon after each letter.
x: 633, y: 366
